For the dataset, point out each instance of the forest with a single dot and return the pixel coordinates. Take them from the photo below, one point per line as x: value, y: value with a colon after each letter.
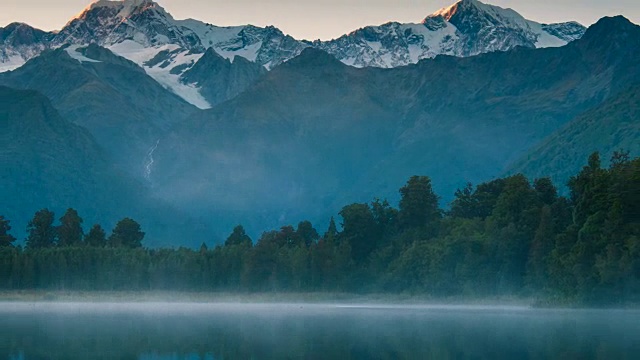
x: 506, y: 237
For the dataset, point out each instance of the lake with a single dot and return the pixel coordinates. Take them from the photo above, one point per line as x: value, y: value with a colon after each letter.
x: 311, y: 331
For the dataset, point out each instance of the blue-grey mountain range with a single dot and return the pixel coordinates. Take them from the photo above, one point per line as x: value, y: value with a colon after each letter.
x: 219, y: 126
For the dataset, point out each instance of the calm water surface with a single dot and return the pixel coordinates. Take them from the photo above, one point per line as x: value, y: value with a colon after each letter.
x: 302, y: 331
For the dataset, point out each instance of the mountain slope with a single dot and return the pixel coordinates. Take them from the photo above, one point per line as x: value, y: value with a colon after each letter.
x: 124, y: 109
x: 610, y: 127
x: 315, y: 131
x: 49, y: 162
x: 220, y: 79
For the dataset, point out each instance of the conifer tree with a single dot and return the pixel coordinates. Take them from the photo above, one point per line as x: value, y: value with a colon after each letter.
x: 419, y: 204
x: 70, y: 231
x: 96, y: 237
x: 238, y: 237
x: 127, y: 233
x: 41, y: 232
x: 6, y: 239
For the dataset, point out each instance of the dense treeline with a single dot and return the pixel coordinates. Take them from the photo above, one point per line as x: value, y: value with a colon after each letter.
x: 508, y: 236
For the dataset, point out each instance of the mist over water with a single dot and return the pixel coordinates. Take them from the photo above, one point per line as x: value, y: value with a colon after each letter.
x: 317, y: 331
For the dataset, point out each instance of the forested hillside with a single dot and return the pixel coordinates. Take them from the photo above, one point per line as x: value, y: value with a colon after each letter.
x: 608, y: 127
x: 509, y: 236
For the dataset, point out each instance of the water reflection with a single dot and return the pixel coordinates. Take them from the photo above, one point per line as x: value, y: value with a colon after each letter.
x: 291, y: 331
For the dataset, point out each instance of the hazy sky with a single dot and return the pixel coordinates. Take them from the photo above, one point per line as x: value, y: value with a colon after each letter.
x: 313, y: 19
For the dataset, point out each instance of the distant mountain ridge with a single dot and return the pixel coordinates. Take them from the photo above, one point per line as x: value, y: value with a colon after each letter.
x: 466, y: 28
x: 142, y: 31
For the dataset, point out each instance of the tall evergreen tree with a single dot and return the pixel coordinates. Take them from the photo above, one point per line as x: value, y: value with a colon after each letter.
x: 332, y: 231
x: 70, y: 231
x: 386, y: 217
x: 541, y: 247
x: 41, y: 232
x: 6, y: 239
x: 547, y: 192
x: 307, y: 233
x: 96, y: 237
x: 464, y: 204
x: 418, y: 204
x: 238, y: 237
x: 127, y: 233
x: 359, y: 230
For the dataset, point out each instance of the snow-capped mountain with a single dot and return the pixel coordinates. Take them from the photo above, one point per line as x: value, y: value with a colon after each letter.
x: 147, y: 24
x: 20, y: 42
x: 466, y: 28
x: 143, y: 32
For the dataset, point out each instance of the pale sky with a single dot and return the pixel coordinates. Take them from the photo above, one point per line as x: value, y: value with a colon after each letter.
x: 319, y: 19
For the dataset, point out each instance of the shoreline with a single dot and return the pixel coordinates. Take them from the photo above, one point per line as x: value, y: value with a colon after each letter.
x: 250, y: 298
x: 378, y: 300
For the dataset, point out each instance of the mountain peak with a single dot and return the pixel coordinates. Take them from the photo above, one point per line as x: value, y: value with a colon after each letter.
x: 312, y: 57
x: 448, y: 12
x: 128, y: 4
x: 20, y: 34
x: 610, y: 31
x: 469, y: 7
x: 109, y: 22
x: 465, y: 11
x: 124, y: 8
x: 16, y: 25
x: 612, y: 23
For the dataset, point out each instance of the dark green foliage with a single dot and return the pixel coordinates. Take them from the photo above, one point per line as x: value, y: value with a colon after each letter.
x: 96, y: 237
x: 238, y: 237
x: 359, y: 230
x: 307, y: 233
x: 332, y: 231
x: 70, y: 231
x: 547, y: 192
x: 540, y: 250
x: 419, y: 204
x: 465, y: 203
x: 478, y: 203
x: 41, y: 231
x: 507, y: 237
x: 386, y: 218
x: 127, y: 233
x: 6, y: 239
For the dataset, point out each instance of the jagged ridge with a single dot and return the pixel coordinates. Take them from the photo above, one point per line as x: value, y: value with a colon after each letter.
x: 142, y: 31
